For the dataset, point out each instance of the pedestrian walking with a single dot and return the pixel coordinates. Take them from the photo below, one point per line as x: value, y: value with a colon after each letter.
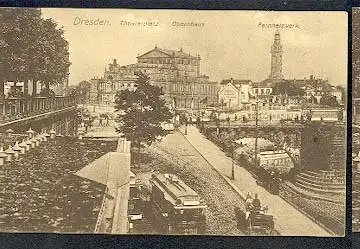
x: 107, y: 119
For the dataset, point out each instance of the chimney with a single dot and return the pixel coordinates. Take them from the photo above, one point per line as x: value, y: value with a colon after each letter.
x: 311, y: 77
x: 115, y: 62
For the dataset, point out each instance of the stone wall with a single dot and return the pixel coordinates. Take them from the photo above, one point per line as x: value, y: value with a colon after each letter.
x: 323, y: 146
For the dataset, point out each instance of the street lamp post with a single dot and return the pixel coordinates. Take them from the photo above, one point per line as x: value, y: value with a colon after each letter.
x: 232, y: 163
x: 256, y: 131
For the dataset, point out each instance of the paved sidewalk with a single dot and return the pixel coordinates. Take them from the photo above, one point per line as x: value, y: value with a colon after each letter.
x: 288, y: 220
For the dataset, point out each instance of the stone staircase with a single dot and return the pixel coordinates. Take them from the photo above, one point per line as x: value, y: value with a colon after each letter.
x: 321, y: 182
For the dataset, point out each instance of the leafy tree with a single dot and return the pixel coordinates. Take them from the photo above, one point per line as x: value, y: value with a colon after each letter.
x: 83, y: 89
x: 17, y: 41
x: 53, y: 68
x: 142, y: 110
x: 31, y: 47
x: 329, y: 100
x: 287, y: 88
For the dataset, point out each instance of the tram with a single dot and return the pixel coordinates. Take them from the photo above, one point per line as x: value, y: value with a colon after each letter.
x: 177, y: 208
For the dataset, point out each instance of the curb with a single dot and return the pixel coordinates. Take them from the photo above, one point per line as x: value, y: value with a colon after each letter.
x: 232, y: 185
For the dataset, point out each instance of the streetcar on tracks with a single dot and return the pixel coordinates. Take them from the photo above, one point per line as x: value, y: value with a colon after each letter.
x: 177, y: 209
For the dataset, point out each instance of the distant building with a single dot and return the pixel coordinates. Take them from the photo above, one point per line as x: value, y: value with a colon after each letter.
x: 235, y: 93
x: 314, y: 89
x: 176, y: 72
x: 264, y: 90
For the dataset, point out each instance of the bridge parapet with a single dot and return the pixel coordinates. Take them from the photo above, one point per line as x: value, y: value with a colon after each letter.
x: 252, y: 125
x: 22, y: 107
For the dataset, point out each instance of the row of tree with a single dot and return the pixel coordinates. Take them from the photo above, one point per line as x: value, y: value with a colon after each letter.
x: 32, y: 48
x: 288, y: 89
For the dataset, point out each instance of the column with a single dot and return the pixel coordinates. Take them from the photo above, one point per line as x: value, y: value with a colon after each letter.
x: 34, y: 89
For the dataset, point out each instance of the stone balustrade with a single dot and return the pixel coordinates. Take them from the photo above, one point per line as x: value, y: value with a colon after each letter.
x: 20, y: 107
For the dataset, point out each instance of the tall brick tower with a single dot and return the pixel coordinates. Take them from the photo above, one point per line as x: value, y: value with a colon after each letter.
x: 276, y: 58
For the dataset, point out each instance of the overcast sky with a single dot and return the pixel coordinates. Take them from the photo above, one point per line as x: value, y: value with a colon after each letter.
x: 231, y: 43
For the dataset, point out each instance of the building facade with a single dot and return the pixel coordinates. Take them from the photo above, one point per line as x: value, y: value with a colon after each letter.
x: 235, y: 94
x: 176, y: 72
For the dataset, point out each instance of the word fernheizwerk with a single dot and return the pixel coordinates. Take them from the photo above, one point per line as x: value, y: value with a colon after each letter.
x: 187, y: 24
x: 278, y: 25
x: 91, y: 22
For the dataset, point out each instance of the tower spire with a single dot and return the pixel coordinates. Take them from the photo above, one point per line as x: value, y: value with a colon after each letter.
x: 276, y: 58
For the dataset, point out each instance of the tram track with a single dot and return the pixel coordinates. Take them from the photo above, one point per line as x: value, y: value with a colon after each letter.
x: 204, y: 179
x: 194, y: 183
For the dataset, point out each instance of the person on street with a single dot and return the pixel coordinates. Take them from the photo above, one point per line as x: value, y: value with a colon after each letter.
x: 248, y: 205
x: 256, y: 203
x: 107, y: 120
x: 248, y: 201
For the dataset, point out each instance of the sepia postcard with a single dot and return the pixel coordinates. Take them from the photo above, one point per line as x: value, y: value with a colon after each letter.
x: 186, y: 122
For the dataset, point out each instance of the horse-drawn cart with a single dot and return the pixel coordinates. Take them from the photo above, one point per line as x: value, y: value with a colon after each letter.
x: 254, y: 222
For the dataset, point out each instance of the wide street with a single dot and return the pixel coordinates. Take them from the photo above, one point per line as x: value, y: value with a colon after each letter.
x: 288, y: 220
x: 204, y: 167
x: 176, y: 155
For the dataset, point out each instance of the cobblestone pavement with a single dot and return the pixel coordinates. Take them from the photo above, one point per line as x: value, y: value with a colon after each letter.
x: 288, y: 220
x: 175, y: 155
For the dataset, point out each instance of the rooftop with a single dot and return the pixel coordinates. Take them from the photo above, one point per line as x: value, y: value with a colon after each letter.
x: 169, y: 53
x: 235, y: 82
x: 174, y: 187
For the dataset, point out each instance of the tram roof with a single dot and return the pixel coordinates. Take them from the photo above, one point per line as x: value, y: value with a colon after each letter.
x: 174, y: 186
